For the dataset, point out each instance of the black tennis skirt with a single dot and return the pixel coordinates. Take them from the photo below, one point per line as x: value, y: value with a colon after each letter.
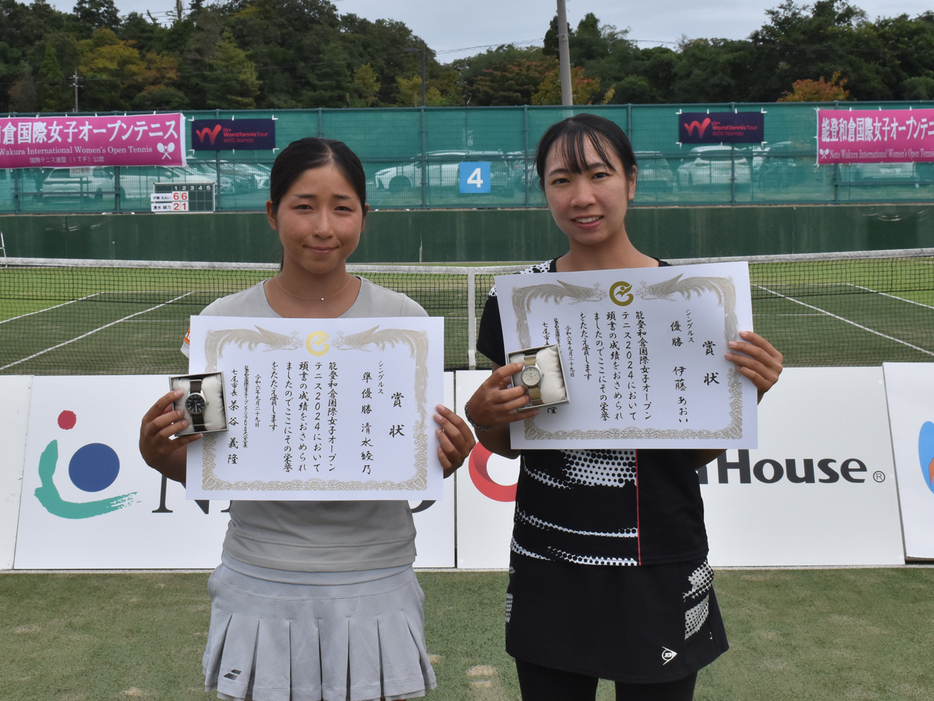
x: 637, y: 625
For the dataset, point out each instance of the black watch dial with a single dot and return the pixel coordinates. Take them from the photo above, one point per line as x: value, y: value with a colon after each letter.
x: 195, y: 404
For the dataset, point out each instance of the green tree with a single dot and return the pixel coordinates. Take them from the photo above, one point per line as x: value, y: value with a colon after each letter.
x: 51, y: 83
x: 94, y: 14
x: 112, y: 69
x: 234, y: 83
x: 23, y: 95
x: 366, y: 87
x: 506, y: 75
x: 582, y: 88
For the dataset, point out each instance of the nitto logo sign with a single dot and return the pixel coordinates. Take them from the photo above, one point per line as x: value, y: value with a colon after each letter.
x: 804, y: 471
x: 93, y: 469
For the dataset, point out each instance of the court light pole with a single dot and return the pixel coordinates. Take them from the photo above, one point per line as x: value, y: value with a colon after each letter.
x: 412, y: 50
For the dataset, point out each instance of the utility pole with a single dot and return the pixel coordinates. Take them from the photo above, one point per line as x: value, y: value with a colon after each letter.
x: 564, y: 57
x: 422, y: 52
x: 74, y: 84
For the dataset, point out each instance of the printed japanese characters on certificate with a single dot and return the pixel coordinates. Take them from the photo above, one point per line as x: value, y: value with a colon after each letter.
x: 643, y: 354
x: 320, y: 408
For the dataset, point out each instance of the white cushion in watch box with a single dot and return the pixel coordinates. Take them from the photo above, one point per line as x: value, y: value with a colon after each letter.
x: 553, y: 386
x: 212, y: 387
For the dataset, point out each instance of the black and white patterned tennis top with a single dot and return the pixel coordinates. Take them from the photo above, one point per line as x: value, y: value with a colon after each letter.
x: 601, y: 507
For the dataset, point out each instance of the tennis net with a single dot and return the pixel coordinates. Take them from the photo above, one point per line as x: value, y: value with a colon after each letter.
x: 73, y: 317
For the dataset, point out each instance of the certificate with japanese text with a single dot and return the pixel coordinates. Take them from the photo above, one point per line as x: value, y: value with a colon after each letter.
x: 320, y: 409
x: 642, y: 352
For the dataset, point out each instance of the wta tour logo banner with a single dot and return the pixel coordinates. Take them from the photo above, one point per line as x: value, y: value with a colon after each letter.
x: 229, y: 134
x: 875, y: 136
x: 70, y: 142
x: 721, y: 127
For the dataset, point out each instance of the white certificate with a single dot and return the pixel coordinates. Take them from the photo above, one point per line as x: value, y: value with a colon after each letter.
x: 643, y: 355
x: 320, y: 409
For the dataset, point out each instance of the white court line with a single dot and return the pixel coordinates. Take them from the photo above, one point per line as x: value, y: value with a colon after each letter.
x: 886, y: 294
x: 85, y: 335
x: 840, y: 318
x: 48, y: 309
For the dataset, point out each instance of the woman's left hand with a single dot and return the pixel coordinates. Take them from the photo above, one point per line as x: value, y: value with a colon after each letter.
x: 455, y: 439
x: 756, y: 359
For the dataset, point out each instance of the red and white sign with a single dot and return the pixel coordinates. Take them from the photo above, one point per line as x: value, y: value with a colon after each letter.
x: 875, y: 136
x: 70, y: 142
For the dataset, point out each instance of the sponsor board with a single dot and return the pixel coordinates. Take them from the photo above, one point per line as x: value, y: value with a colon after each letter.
x: 486, y: 494
x: 819, y: 490
x: 231, y: 134
x: 910, y: 392
x: 721, y: 127
x: 90, y: 502
x: 14, y: 412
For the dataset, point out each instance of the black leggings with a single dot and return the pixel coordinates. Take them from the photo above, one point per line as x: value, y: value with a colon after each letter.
x: 546, y: 684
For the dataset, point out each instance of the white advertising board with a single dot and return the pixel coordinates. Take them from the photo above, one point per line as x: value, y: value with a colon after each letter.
x: 910, y: 388
x: 99, y: 506
x: 14, y: 413
x: 486, y: 494
x: 820, y: 489
x: 434, y: 520
x: 89, y: 500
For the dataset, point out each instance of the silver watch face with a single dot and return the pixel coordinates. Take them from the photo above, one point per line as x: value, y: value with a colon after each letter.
x: 531, y: 376
x: 195, y: 403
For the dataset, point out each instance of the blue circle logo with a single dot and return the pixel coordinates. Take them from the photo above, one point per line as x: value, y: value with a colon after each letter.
x: 94, y: 467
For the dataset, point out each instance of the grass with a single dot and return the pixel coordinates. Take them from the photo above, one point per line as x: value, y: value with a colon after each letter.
x: 822, y: 313
x: 795, y: 635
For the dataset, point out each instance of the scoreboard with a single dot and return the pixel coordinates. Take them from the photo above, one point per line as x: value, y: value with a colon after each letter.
x: 182, y: 197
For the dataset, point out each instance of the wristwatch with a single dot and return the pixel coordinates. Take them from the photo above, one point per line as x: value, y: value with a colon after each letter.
x: 531, y: 376
x: 195, y: 404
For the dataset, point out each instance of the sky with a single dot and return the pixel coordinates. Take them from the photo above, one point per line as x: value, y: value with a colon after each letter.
x: 458, y: 28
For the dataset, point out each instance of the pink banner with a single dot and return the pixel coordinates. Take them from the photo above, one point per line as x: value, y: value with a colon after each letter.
x: 69, y: 142
x: 875, y: 136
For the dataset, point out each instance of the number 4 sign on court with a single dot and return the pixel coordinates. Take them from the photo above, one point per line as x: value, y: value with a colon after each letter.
x: 475, y: 177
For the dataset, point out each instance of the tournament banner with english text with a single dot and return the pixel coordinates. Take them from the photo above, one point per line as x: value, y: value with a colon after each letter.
x: 875, y: 136
x: 71, y: 142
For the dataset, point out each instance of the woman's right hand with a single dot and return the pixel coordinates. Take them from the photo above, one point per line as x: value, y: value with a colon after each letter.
x: 495, y: 401
x: 156, y: 443
x: 493, y: 407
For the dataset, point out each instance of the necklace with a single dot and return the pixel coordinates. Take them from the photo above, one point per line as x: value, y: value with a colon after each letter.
x: 312, y: 299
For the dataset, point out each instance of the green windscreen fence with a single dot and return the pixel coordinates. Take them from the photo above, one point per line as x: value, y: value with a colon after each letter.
x: 414, y: 158
x: 67, y: 317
